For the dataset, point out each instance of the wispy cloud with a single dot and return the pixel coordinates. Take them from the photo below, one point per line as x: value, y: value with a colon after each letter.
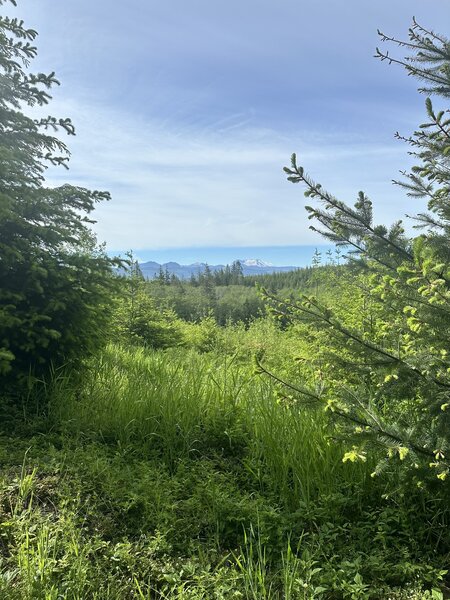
x: 187, y: 114
x: 182, y: 187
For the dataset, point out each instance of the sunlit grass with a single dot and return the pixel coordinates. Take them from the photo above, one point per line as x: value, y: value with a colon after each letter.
x: 183, y: 404
x: 181, y: 475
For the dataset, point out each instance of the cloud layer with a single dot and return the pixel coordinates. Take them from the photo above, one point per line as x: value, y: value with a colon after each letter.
x: 187, y: 113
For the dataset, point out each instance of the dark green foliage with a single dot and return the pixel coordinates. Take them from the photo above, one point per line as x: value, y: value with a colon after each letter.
x: 206, y: 282
x: 227, y: 294
x: 196, y: 301
x: 292, y: 280
x: 55, y: 282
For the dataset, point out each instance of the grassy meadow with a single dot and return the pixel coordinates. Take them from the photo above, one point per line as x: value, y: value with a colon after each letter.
x: 184, y: 473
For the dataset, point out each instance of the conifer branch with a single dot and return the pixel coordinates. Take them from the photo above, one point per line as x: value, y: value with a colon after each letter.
x: 375, y: 425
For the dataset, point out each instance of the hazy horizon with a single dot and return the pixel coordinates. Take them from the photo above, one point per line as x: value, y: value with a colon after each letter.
x: 277, y: 256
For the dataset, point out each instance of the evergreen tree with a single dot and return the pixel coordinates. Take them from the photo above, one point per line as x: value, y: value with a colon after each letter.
x: 223, y: 276
x: 207, y: 283
x: 390, y: 382
x: 161, y: 276
x: 166, y: 276
x: 237, y: 272
x: 227, y: 276
x: 316, y: 259
x: 137, y: 319
x: 55, y: 282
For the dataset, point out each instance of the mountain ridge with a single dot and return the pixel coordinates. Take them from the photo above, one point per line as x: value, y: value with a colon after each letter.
x: 250, y: 266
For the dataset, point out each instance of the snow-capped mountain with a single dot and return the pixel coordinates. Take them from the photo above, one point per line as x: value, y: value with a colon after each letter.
x: 250, y: 266
x: 254, y: 262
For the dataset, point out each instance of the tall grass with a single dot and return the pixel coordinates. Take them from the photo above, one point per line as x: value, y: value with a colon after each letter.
x: 182, y: 404
x: 184, y: 475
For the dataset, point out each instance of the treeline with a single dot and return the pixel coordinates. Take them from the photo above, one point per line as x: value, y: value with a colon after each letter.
x: 233, y: 274
x: 206, y: 295
x: 228, y: 295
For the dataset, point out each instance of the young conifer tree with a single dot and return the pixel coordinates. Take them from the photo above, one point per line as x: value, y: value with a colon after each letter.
x: 392, y: 390
x: 55, y: 282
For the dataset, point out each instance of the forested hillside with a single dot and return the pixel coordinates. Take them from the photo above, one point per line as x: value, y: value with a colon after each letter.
x: 281, y: 437
x: 227, y: 295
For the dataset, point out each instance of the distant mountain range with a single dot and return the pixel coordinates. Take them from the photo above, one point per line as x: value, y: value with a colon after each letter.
x: 250, y: 266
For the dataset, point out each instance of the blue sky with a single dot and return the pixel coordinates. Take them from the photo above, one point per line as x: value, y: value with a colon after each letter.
x: 187, y: 111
